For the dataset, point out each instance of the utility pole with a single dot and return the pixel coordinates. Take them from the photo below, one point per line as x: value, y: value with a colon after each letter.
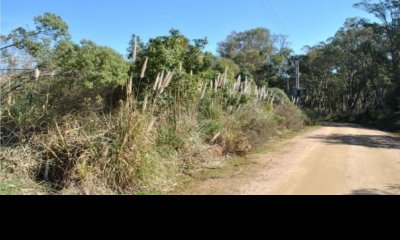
x: 297, y: 75
x: 297, y: 93
x: 288, y: 85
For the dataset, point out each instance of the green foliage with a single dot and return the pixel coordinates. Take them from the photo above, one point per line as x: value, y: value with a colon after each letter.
x: 96, y: 70
x: 357, y: 70
x: 209, y: 129
x: 388, y: 13
x: 166, y: 53
x: 248, y: 49
x: 259, y: 54
x: 279, y: 96
x: 85, y: 130
x: 139, y: 48
x: 100, y: 67
x: 168, y: 137
x: 174, y: 53
x: 185, y: 88
x: 257, y: 124
x: 15, y: 186
x: 50, y: 29
x: 222, y: 64
x: 290, y: 116
x: 209, y: 107
x: 245, y: 99
x: 51, y: 25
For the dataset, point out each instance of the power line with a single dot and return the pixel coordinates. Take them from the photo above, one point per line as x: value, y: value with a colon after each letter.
x: 245, y: 12
x: 267, y: 11
x: 276, y: 15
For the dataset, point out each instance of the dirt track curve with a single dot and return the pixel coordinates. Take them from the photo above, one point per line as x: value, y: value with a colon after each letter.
x: 337, y: 159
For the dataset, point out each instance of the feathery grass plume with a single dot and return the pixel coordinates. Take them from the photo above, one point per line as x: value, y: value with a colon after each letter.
x: 216, y: 85
x: 264, y: 93
x: 155, y: 88
x: 37, y: 73
x: 46, y: 104
x: 167, y: 80
x: 151, y: 125
x: 144, y: 68
x: 231, y: 92
x: 259, y: 94
x: 230, y: 109
x: 200, y: 88
x: 145, y: 103
x: 237, y: 85
x: 219, y: 78
x: 129, y: 87
x: 243, y: 88
x: 246, y: 82
x: 269, y: 95
x: 273, y: 99
x: 203, y: 92
x: 215, y: 137
x: 191, y: 73
x: 160, y: 82
x: 134, y: 49
x: 212, y: 85
x: 225, y: 81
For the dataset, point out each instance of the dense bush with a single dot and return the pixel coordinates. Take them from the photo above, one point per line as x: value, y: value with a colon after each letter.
x: 290, y: 116
x: 92, y: 122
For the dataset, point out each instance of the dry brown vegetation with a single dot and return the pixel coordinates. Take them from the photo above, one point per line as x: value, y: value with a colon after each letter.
x: 143, y: 145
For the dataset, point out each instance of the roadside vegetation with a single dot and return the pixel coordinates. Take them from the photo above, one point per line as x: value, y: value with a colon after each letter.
x: 79, y: 118
x: 355, y: 75
x: 85, y: 120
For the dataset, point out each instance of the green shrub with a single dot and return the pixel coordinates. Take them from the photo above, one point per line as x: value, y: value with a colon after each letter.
x: 257, y: 124
x: 209, y: 128
x: 293, y: 118
x: 168, y: 137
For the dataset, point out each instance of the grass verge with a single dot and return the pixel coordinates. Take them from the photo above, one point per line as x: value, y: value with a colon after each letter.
x: 235, y: 166
x: 12, y: 186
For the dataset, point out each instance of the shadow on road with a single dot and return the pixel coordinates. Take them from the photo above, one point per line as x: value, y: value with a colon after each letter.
x: 390, y: 190
x: 344, y: 125
x: 370, y: 141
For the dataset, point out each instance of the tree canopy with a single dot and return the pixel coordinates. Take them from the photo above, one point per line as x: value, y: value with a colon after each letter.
x: 260, y: 54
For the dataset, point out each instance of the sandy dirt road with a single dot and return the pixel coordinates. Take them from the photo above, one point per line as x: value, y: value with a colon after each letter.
x: 336, y: 159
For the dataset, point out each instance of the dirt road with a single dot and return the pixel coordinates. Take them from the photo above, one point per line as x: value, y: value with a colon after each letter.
x: 337, y: 159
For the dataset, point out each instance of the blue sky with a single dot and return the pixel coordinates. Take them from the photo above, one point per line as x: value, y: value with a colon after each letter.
x: 111, y: 22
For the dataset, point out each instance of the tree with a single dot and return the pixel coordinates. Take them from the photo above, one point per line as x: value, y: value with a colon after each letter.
x: 354, y: 51
x: 222, y: 64
x: 388, y: 12
x: 92, y: 66
x: 86, y: 75
x: 258, y: 53
x: 347, y: 74
x: 49, y: 27
x: 173, y: 52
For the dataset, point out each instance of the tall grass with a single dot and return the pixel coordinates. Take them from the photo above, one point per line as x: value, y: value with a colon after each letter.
x: 144, y: 143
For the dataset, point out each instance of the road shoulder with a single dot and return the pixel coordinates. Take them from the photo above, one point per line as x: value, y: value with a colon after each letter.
x: 237, y: 173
